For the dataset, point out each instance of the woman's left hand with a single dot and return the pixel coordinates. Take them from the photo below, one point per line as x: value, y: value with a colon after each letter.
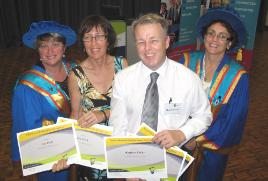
x: 90, y: 118
x: 60, y: 165
x: 190, y: 145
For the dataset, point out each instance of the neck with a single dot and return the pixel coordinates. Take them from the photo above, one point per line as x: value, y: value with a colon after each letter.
x: 57, y: 72
x: 98, y: 63
x: 213, y: 60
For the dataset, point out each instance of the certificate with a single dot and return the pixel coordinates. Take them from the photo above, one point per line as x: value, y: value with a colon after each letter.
x: 42, y: 147
x: 90, y: 143
x: 134, y: 157
x: 175, y: 156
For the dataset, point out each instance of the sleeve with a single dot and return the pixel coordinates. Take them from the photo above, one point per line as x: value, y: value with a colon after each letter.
x: 26, y: 114
x: 200, y: 111
x: 229, y: 124
x: 118, y: 118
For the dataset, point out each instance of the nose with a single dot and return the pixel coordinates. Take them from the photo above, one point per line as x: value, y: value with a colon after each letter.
x: 148, y: 45
x: 215, y: 37
x: 50, y: 49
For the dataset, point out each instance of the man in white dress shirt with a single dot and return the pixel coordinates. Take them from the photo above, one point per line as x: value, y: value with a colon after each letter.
x: 184, y: 110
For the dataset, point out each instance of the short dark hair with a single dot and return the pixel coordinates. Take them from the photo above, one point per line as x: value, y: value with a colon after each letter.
x: 97, y: 21
x: 233, y: 35
x: 48, y: 36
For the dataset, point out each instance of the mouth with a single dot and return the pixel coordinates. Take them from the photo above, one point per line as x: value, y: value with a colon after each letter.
x: 150, y: 54
x: 213, y: 45
x: 95, y: 50
x: 51, y: 57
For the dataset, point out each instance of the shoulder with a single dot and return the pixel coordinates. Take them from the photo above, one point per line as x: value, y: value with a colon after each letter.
x: 180, y: 71
x: 129, y: 71
x: 22, y: 91
x: 120, y: 62
x: 235, y: 69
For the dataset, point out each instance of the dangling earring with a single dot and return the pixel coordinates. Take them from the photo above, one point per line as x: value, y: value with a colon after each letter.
x: 63, y: 56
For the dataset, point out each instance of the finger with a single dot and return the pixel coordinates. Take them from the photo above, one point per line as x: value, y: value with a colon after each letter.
x: 54, y: 167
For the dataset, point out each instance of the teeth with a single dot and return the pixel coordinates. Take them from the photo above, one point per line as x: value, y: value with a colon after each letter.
x: 149, y: 54
x: 213, y: 45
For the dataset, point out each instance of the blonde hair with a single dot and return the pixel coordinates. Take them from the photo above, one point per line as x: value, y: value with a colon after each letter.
x: 150, y: 18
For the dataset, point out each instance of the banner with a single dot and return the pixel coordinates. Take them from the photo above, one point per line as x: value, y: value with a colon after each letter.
x: 190, y: 10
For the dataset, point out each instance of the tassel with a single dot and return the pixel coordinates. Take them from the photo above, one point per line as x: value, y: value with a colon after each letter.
x: 239, y: 56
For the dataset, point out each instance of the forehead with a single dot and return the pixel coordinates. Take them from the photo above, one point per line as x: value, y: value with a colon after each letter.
x: 218, y: 27
x: 149, y: 30
x: 97, y: 29
x: 48, y: 40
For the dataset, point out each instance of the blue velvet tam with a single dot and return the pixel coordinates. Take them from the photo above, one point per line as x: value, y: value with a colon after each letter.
x: 42, y: 27
x: 228, y: 15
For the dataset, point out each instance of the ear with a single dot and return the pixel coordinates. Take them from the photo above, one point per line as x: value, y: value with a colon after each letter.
x: 167, y: 42
x: 229, y: 45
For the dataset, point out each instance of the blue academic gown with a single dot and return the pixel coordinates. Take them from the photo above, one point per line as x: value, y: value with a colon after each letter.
x: 229, y: 113
x: 31, y: 110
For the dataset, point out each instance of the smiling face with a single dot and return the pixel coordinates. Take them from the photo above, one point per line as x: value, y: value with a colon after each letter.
x: 216, y: 39
x: 95, y: 43
x: 51, y: 52
x: 151, y: 43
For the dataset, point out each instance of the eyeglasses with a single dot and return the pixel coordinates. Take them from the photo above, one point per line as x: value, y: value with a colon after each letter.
x: 221, y: 36
x: 89, y: 38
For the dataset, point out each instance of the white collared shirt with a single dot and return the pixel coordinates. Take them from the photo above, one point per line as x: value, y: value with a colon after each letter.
x: 176, y: 83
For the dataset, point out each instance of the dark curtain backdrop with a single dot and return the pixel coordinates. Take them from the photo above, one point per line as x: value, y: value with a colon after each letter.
x: 17, y: 15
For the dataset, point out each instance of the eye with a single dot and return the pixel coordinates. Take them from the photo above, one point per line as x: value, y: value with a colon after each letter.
x: 42, y: 45
x: 210, y: 33
x: 140, y: 43
x: 56, y: 44
x: 223, y: 37
x: 87, y: 38
x: 100, y: 37
x: 154, y: 41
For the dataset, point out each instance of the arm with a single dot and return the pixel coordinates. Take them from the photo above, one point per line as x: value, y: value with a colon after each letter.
x: 125, y: 63
x: 75, y: 95
x: 200, y: 112
x: 26, y: 114
x: 118, y: 118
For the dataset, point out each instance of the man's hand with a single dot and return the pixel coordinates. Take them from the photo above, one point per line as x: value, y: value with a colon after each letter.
x: 169, y: 138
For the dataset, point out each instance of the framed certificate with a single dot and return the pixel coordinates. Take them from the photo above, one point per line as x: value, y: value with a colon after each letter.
x: 42, y: 147
x: 134, y: 157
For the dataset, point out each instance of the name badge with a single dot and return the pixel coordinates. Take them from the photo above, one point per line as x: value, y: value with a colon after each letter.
x: 172, y: 108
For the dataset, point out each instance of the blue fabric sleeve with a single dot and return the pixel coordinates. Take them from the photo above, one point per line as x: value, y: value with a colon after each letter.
x: 228, y: 127
x: 29, y: 108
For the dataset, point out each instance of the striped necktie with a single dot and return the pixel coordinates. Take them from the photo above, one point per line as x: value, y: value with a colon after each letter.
x: 151, y: 103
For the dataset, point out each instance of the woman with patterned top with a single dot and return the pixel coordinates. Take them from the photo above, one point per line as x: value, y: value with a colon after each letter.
x: 90, y: 83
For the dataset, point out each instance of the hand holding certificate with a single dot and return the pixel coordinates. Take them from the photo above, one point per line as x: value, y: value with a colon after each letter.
x: 42, y: 147
x: 177, y: 159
